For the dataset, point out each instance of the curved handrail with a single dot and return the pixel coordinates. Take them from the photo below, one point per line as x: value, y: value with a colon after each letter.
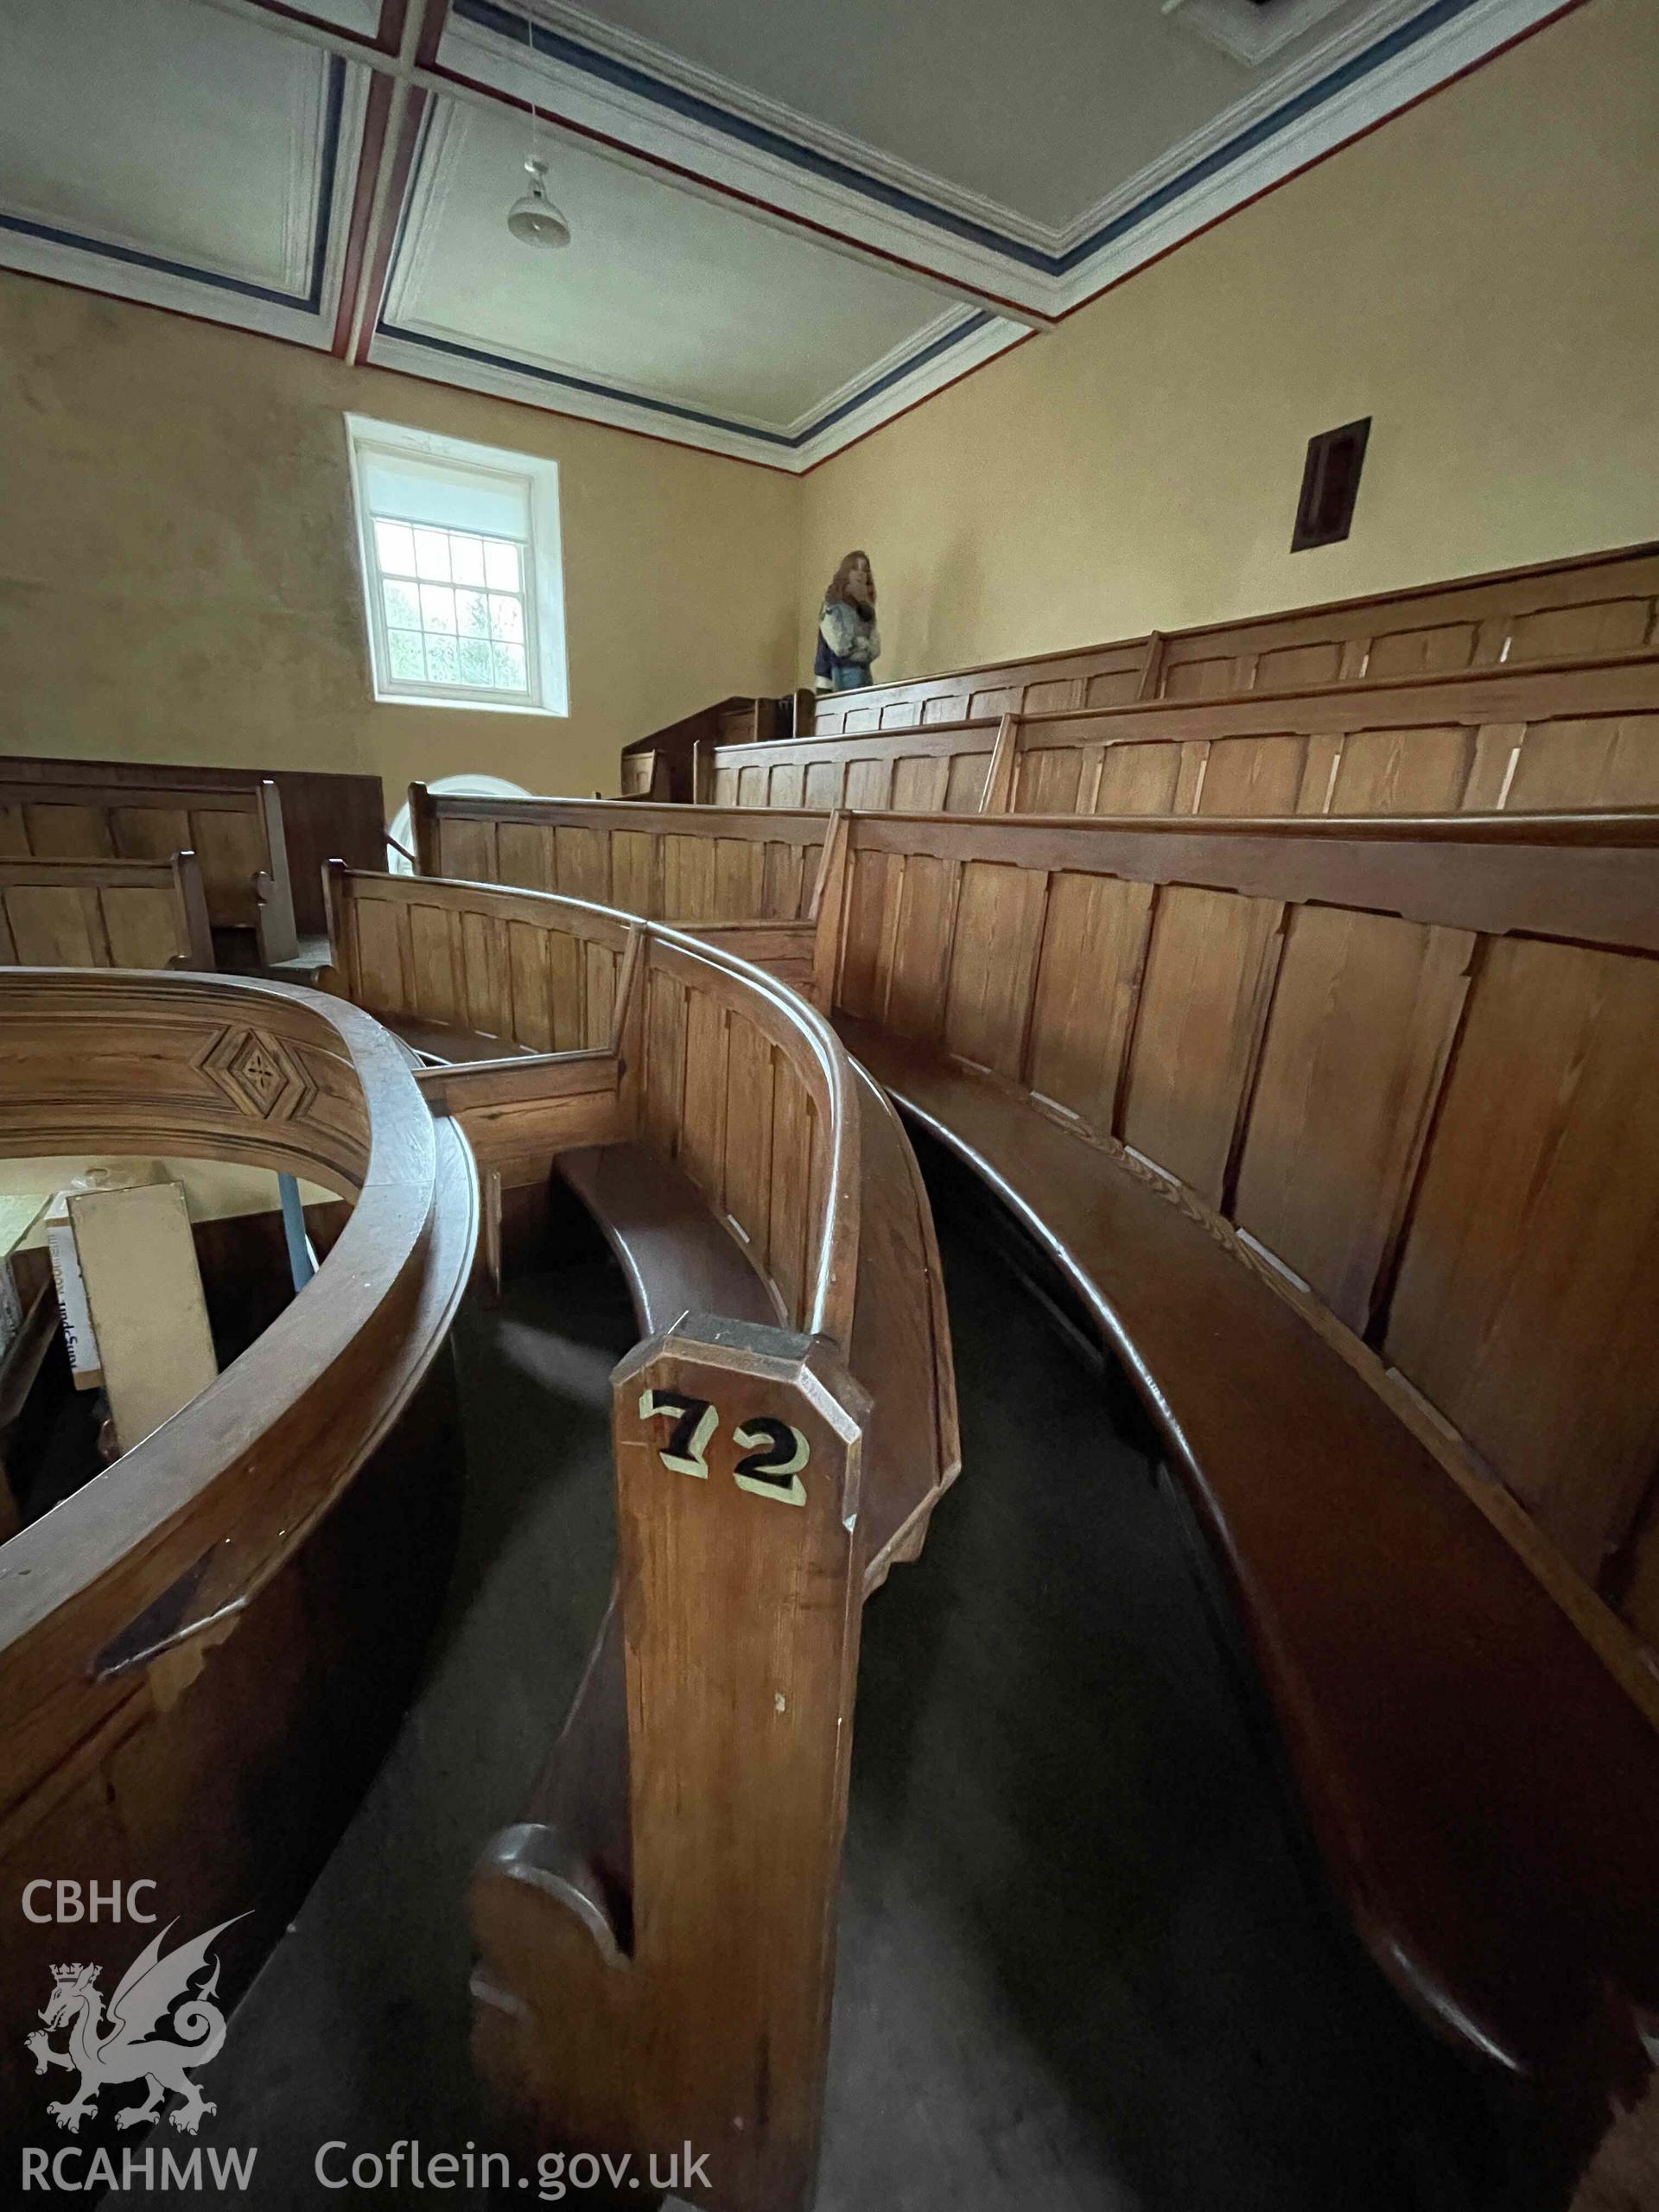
x: 186, y: 1527
x: 636, y: 946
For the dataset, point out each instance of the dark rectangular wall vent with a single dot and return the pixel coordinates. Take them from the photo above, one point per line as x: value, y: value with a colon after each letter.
x: 1324, y: 513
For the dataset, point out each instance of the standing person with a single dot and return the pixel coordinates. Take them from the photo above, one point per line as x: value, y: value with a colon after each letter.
x: 847, y: 637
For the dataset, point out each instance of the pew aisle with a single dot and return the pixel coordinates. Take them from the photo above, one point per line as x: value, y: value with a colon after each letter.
x: 1083, y: 1962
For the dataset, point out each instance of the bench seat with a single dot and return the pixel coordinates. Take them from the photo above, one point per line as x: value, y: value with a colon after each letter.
x: 440, y: 1041
x: 677, y: 1258
x: 1485, y: 1793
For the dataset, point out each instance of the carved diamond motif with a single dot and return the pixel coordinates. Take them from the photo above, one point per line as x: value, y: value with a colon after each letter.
x: 256, y: 1071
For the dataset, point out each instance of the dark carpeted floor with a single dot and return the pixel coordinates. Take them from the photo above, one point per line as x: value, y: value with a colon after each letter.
x: 1082, y: 1964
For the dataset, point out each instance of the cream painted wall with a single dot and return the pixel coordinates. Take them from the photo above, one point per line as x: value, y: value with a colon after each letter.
x: 178, y: 575
x: 1481, y: 276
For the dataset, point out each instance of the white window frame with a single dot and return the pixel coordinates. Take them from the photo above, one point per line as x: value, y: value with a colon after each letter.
x: 544, y: 574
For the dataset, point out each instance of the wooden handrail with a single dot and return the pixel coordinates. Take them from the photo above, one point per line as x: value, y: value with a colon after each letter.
x: 1595, y: 601
x: 1536, y: 737
x: 637, y: 950
x: 173, y: 1634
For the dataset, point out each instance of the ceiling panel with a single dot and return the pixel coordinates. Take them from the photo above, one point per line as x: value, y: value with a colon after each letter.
x: 180, y: 131
x: 1043, y: 110
x: 661, y: 291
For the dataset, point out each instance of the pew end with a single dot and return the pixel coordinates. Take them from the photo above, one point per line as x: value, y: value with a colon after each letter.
x: 698, y: 2009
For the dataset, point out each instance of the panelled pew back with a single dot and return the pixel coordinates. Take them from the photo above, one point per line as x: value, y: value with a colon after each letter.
x: 110, y: 913
x: 66, y: 810
x: 1603, y: 604
x: 1512, y: 740
x: 655, y: 862
x: 770, y: 1466
x: 1391, y: 1077
x: 1406, y: 1062
x: 660, y: 767
x: 205, y: 1649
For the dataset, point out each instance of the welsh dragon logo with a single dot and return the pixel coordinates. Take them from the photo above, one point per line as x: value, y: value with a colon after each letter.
x: 124, y: 2046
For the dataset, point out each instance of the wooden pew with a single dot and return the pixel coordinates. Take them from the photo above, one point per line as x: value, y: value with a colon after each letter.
x: 662, y: 766
x: 781, y: 1438
x: 653, y: 862
x: 1344, y: 1133
x: 1565, y: 735
x: 323, y: 814
x: 69, y: 809
x: 505, y: 965
x: 105, y: 914
x: 205, y: 1651
x: 1602, y: 603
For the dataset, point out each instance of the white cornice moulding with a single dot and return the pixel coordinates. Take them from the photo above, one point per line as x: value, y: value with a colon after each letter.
x: 403, y: 350
x: 587, y: 29
x: 1395, y: 83
x: 659, y: 134
x: 649, y: 135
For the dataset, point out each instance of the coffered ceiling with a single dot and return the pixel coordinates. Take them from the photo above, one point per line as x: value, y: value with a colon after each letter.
x: 790, y: 220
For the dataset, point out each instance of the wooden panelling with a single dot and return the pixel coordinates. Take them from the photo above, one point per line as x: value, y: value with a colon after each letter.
x: 1136, y: 780
x: 1538, y: 738
x: 1363, y: 1013
x: 993, y: 963
x: 1253, y: 775
x: 647, y: 860
x: 1605, y: 604
x: 524, y: 855
x: 872, y: 918
x: 1527, y: 1301
x: 916, y: 771
x: 920, y: 786
x: 1094, y: 951
x: 107, y: 913
x: 1400, y: 771
x: 203, y: 1655
x: 1048, y: 781
x: 921, y: 947
x: 1610, y: 760
x: 1209, y: 971
x: 59, y: 809
x: 1357, y: 1044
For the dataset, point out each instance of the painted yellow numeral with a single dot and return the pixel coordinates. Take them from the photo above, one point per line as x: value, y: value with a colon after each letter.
x: 777, y: 1453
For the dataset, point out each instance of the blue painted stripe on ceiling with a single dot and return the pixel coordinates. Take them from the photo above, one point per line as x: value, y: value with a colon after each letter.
x: 568, y: 383
x: 490, y: 15
x: 941, y: 345
x: 311, y: 299
x: 1246, y: 141
x: 782, y: 439
x: 673, y: 408
x: 514, y: 29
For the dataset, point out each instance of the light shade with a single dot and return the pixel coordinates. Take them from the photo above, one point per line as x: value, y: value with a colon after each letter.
x: 533, y: 218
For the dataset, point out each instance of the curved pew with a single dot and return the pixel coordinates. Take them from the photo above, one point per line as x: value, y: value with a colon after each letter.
x: 781, y: 1438
x: 1513, y: 739
x: 1602, y: 603
x: 71, y: 809
x: 1343, y: 1131
x: 649, y: 861
x: 203, y: 1650
x: 104, y: 913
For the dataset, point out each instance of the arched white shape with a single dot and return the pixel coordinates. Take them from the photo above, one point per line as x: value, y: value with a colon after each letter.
x: 474, y: 786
